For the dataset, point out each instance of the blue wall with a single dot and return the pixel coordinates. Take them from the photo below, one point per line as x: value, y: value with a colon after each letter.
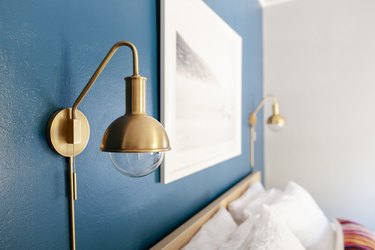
x: 48, y: 51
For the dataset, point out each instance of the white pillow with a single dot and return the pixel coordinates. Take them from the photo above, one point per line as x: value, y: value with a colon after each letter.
x: 238, y: 238
x: 214, y: 233
x: 339, y: 235
x: 327, y: 239
x: 263, y: 199
x: 269, y: 234
x: 236, y: 207
x: 297, y: 209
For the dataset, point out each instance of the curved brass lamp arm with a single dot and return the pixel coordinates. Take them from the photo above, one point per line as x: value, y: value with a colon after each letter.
x: 253, y: 122
x: 253, y: 118
x: 264, y: 102
x: 101, y: 67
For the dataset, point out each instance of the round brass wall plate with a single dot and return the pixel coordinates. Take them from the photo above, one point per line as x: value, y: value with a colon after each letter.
x: 57, y: 132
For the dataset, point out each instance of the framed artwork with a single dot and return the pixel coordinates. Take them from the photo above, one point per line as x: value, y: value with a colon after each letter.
x: 201, y: 78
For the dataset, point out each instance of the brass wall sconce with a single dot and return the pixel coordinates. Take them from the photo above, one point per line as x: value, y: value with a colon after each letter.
x: 135, y: 141
x: 274, y: 122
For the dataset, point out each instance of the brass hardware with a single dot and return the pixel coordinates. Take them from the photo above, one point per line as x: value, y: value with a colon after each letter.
x: 72, y: 191
x: 253, y: 119
x: 135, y: 133
x: 253, y: 138
x: 101, y: 67
x: 279, y: 120
x: 69, y: 131
x: 75, y: 186
x: 135, y: 94
x: 275, y: 108
x: 274, y: 120
x: 75, y: 134
x: 60, y: 132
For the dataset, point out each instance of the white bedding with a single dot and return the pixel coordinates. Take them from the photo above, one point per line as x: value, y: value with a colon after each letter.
x: 339, y: 235
x: 263, y: 232
x: 270, y: 220
x: 299, y: 211
x: 214, y: 233
x: 238, y: 206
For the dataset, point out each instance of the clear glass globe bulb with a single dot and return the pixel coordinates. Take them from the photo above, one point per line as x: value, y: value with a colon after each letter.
x: 136, y: 164
x: 275, y: 127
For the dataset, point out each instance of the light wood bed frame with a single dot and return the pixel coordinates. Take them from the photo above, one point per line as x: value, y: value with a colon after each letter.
x: 181, y: 236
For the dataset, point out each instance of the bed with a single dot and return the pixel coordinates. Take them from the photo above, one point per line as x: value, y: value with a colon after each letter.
x: 182, y: 235
x: 322, y: 235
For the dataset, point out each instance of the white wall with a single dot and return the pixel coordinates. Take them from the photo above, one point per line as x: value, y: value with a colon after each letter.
x: 319, y: 60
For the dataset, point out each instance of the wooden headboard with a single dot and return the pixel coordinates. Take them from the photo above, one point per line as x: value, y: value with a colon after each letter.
x: 181, y: 236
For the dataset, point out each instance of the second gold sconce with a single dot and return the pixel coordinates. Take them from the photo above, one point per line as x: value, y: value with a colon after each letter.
x: 275, y: 122
x: 135, y: 141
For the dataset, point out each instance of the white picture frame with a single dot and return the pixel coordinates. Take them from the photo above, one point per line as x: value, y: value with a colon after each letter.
x: 201, y: 81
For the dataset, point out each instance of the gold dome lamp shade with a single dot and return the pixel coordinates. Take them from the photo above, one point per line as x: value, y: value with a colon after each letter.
x: 275, y: 121
x: 135, y: 132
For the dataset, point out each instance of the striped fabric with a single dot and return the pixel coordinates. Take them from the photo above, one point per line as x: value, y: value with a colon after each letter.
x: 356, y: 236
